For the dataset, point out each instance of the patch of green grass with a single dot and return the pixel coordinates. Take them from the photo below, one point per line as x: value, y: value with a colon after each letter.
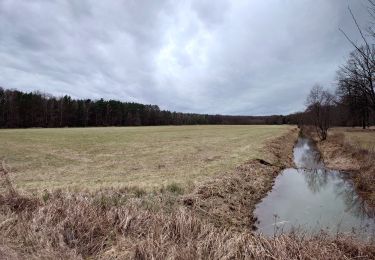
x: 147, y: 157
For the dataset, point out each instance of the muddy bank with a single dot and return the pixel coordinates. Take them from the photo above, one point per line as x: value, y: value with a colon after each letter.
x: 230, y: 199
x: 359, y: 163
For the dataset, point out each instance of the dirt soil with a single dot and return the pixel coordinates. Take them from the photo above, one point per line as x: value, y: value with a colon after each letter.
x: 230, y: 199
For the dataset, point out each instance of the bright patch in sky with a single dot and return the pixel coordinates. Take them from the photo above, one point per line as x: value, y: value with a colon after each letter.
x: 229, y: 57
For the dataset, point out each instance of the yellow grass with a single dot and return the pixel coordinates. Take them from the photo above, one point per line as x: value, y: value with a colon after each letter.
x: 364, y: 139
x: 135, y: 156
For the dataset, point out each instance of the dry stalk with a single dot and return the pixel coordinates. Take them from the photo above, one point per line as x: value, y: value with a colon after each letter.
x: 4, y: 174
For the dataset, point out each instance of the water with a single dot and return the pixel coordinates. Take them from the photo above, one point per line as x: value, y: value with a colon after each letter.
x: 313, y: 198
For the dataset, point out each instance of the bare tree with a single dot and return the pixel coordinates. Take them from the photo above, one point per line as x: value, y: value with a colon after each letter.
x: 319, y: 105
x: 356, y: 83
x: 356, y: 78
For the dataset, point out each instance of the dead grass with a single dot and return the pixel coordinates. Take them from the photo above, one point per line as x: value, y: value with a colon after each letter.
x: 230, y: 199
x: 359, y: 138
x: 76, y: 226
x: 130, y: 223
x: 146, y: 157
x: 349, y: 150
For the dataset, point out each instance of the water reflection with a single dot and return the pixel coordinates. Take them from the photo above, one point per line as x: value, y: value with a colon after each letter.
x: 306, y: 156
x: 314, y: 198
x: 316, y: 179
x: 355, y: 205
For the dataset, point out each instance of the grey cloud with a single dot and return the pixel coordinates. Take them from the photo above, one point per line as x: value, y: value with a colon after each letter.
x: 229, y: 57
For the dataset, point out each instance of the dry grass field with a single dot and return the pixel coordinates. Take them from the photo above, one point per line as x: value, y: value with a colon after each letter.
x: 210, y: 222
x: 146, y: 157
x: 364, y: 139
x: 96, y: 216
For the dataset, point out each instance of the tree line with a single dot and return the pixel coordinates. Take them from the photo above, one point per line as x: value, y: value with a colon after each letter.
x: 22, y: 110
x: 353, y: 102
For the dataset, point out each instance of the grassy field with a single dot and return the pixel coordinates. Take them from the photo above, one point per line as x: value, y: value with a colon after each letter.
x: 147, y: 157
x: 211, y: 222
x: 358, y: 137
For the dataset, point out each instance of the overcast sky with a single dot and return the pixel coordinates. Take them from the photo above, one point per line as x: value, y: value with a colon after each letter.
x: 255, y: 57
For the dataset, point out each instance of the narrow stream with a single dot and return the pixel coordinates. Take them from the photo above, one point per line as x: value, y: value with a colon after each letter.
x: 313, y: 198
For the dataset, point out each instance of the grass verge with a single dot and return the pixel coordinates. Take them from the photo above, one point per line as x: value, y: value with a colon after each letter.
x: 78, y: 226
x: 230, y: 199
x: 348, y: 150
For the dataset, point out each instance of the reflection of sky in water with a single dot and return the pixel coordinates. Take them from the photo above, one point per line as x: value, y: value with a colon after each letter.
x: 313, y: 198
x: 306, y: 155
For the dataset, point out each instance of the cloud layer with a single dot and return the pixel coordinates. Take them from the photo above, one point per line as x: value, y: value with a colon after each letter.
x: 228, y: 57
